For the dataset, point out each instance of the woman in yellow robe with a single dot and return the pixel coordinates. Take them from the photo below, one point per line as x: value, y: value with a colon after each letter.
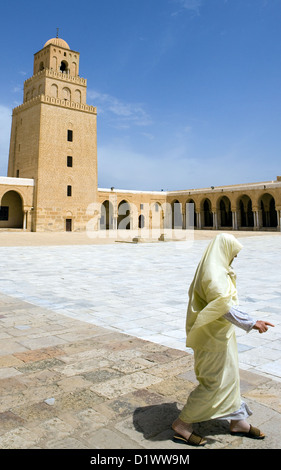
x: 212, y: 295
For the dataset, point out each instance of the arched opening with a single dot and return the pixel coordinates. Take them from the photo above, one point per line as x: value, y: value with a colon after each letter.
x: 106, y: 220
x: 64, y: 66
x: 156, y: 216
x: 207, y: 213
x: 225, y: 212
x: 124, y: 215
x: 191, y: 220
x: 41, y: 66
x: 176, y: 215
x: 246, y: 215
x: 11, y: 210
x: 74, y: 69
x: 69, y: 221
x: 54, y: 63
x: 269, y: 213
x: 54, y: 90
x: 77, y: 96
x: 66, y: 93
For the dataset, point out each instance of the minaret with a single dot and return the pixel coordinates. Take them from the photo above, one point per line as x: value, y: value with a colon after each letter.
x: 53, y: 140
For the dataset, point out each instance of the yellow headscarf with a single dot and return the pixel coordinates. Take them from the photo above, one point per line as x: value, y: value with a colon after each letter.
x: 211, y: 295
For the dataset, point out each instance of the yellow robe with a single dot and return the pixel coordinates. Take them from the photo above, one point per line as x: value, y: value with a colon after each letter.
x: 211, y: 295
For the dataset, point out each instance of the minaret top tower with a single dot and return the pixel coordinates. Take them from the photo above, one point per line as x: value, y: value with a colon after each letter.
x: 56, y: 74
x: 56, y: 55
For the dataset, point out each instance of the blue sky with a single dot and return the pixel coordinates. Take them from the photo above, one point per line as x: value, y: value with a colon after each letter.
x: 188, y: 92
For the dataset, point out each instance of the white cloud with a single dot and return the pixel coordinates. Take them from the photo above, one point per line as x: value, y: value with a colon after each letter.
x: 189, y: 5
x: 148, y: 135
x: 5, y: 130
x: 119, y: 113
x: 17, y: 89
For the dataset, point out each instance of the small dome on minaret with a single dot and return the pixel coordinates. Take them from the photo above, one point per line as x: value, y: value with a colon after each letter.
x: 57, y: 42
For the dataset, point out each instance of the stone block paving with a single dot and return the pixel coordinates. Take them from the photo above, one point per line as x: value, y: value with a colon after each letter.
x: 68, y: 384
x: 142, y: 289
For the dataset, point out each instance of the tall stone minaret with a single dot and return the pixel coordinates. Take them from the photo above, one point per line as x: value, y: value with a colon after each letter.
x: 54, y: 140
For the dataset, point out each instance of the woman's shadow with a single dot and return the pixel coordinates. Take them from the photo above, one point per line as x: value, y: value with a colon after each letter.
x: 154, y: 422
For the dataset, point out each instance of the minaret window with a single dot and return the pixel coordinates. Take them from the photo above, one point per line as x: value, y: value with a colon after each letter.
x: 69, y: 161
x: 77, y: 96
x: 69, y: 190
x: 64, y: 66
x: 54, y: 91
x: 69, y: 135
x: 66, y: 93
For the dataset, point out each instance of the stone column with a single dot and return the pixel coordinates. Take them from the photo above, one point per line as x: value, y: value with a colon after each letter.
x: 278, y: 220
x: 24, y: 220
x: 183, y: 214
x: 198, y: 220
x: 234, y: 220
x: 27, y: 218
x: 215, y: 220
x: 114, y: 205
x: 256, y: 219
x: 114, y: 222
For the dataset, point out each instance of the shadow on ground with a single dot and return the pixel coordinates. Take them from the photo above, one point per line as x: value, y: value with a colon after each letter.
x: 154, y: 422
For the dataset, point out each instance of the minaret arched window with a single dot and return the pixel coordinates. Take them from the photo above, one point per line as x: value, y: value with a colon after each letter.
x: 54, y: 90
x: 64, y: 66
x: 66, y: 93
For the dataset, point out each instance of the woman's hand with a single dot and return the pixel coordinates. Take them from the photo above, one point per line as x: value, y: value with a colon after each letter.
x: 262, y: 326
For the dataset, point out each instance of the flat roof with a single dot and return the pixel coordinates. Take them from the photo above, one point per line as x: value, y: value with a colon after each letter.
x: 16, y: 181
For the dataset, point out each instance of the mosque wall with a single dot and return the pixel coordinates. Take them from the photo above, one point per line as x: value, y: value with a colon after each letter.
x: 254, y: 206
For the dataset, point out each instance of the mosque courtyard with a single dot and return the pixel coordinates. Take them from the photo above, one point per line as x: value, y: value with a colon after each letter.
x: 141, y: 289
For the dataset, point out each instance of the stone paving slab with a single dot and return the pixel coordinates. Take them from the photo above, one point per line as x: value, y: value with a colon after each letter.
x: 92, y: 388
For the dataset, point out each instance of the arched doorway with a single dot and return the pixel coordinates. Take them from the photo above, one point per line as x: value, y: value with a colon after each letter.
x: 225, y: 213
x: 106, y: 220
x: 207, y: 213
x: 124, y: 215
x: 156, y: 218
x: 246, y: 215
x: 269, y: 213
x: 176, y: 215
x: 190, y: 212
x: 11, y: 210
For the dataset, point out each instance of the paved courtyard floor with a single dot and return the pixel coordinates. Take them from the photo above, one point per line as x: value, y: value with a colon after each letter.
x: 141, y: 289
x: 92, y: 352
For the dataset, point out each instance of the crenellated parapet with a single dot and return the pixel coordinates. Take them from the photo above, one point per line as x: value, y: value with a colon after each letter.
x: 63, y: 103
x: 64, y: 76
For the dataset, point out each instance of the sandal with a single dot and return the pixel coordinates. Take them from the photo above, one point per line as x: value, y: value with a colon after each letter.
x: 253, y: 433
x: 193, y: 440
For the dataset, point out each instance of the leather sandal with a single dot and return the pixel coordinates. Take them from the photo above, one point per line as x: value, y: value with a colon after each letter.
x: 253, y: 433
x: 193, y: 440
